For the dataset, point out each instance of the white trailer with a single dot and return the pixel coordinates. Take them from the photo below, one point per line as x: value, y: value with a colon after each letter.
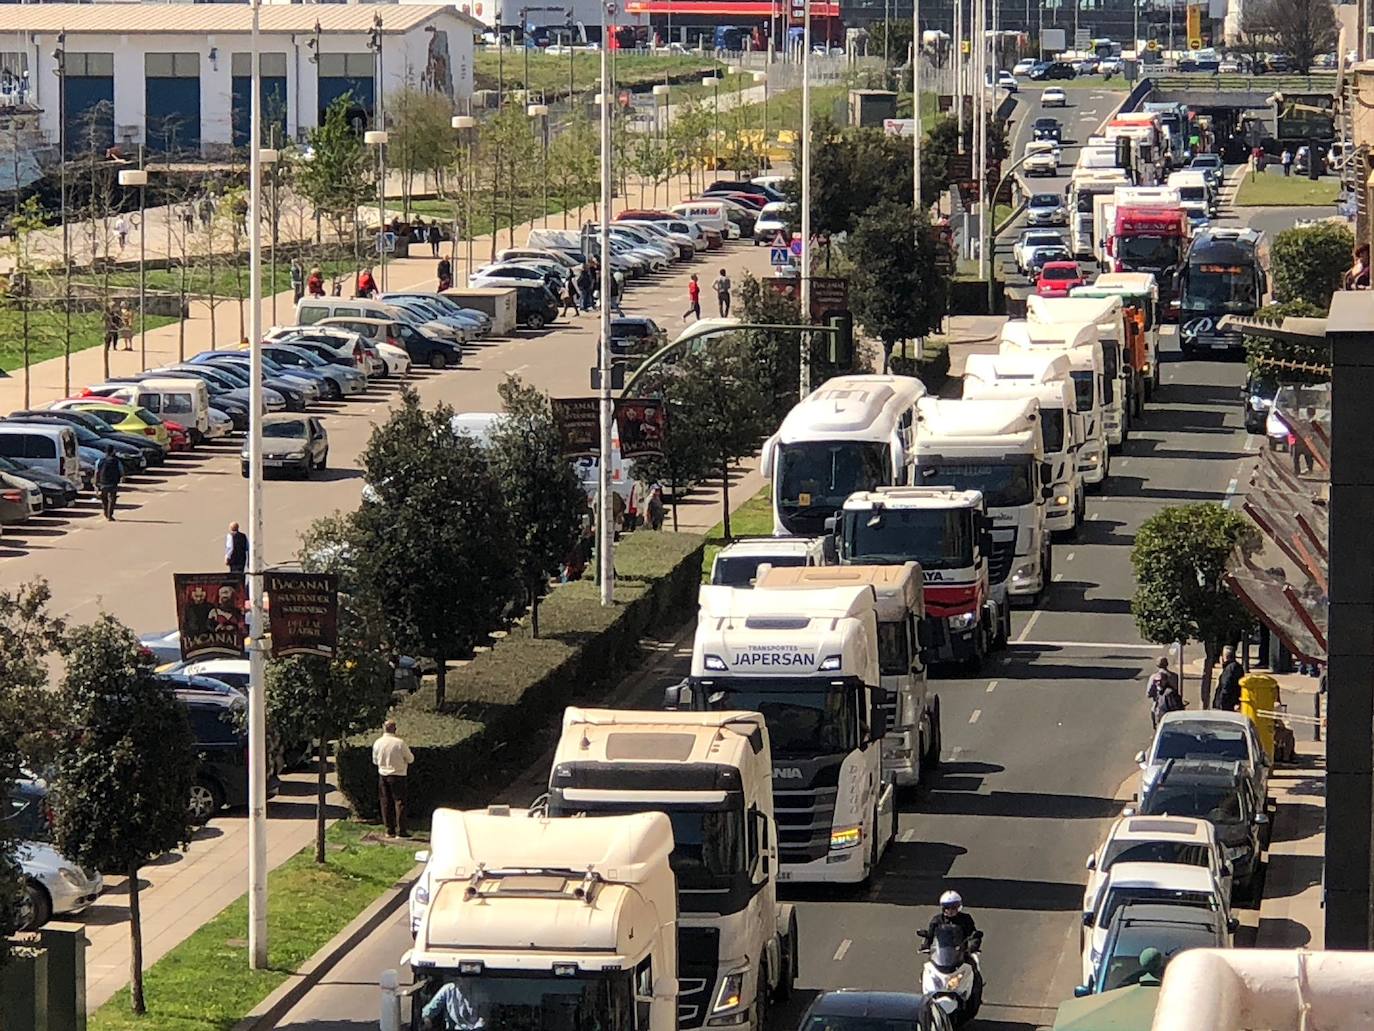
x: 1107, y: 315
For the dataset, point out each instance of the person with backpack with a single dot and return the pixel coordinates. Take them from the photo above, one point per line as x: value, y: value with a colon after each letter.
x: 1163, y: 692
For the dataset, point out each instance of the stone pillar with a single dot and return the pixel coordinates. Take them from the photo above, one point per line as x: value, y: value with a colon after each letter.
x: 1350, y: 706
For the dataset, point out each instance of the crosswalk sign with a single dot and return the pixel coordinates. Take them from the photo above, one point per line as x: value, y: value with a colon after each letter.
x: 780, y: 256
x: 779, y: 239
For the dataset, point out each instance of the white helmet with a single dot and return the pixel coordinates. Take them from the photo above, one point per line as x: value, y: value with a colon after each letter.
x: 951, y: 899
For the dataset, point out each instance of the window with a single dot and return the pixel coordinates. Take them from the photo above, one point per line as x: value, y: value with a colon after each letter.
x: 894, y: 654
x: 36, y: 446
x: 268, y: 65
x: 347, y: 65
x: 644, y: 989
x: 151, y: 402
x: 177, y: 404
x: 212, y: 725
x: 310, y: 314
x: 11, y: 445
x: 93, y: 64
x: 171, y: 66
x: 348, y: 312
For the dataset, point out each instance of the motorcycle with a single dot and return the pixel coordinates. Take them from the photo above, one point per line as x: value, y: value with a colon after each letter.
x: 952, y: 975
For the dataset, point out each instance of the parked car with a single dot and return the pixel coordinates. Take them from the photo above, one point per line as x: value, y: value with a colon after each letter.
x: 291, y: 443
x: 48, y: 446
x: 154, y: 454
x: 1208, y: 734
x: 775, y: 218
x: 222, y: 750
x: 1007, y: 81
x: 1057, y: 278
x: 58, y: 491
x: 1023, y: 66
x: 339, y: 380
x: 1156, y: 839
x: 1043, y: 70
x: 535, y: 304
x: 636, y: 335
x: 1054, y: 96
x: 20, y: 499
x: 1046, y: 209
x: 233, y: 672
x: 310, y: 384
x: 53, y: 884
x: 292, y: 392
x: 1169, y: 930
x: 131, y: 460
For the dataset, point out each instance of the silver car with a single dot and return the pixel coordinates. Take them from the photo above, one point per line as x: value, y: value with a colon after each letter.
x: 293, y: 443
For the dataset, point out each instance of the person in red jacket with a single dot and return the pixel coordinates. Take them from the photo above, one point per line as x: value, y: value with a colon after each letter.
x: 367, y: 286
x: 693, y: 298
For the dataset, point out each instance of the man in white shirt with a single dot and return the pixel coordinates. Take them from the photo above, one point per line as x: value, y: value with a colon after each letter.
x: 392, y: 757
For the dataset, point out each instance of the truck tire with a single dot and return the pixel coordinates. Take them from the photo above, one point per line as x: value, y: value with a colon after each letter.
x: 788, y: 951
x: 980, y: 649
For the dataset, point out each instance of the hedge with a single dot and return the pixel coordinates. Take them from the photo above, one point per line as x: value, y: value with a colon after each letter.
x: 502, y: 704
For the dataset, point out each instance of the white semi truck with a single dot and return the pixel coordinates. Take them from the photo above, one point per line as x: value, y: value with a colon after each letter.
x: 1117, y: 381
x: 545, y: 922
x: 808, y: 661
x: 1046, y: 378
x: 1086, y: 368
x: 711, y: 773
x: 912, y: 745
x: 996, y: 448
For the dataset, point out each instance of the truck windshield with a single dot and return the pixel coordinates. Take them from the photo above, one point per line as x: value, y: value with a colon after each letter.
x: 1004, y: 484
x: 1148, y: 253
x: 510, y: 1000
x: 1052, y: 428
x: 741, y: 570
x: 894, y: 657
x: 1220, y: 288
x: 936, y: 538
x: 1192, y: 193
x: 805, y: 718
x: 1083, y: 389
x: 708, y: 844
x: 814, y: 477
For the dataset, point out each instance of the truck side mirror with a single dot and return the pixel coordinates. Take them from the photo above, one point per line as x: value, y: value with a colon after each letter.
x: 830, y: 550
x: 1047, y: 491
x: 1047, y: 475
x: 877, y: 719
x: 676, y: 696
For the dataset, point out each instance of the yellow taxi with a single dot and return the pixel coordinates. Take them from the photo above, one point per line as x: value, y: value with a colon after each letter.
x: 123, y: 417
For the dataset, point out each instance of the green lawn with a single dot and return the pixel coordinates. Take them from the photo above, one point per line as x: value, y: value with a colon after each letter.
x: 527, y: 207
x: 549, y: 73
x: 199, y: 277
x: 752, y: 519
x: 204, y: 984
x: 1268, y: 188
x: 46, y: 333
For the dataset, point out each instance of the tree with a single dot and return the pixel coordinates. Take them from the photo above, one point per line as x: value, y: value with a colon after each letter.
x: 1179, y: 556
x: 126, y: 772
x: 434, y: 547
x: 545, y: 501
x: 310, y: 697
x: 339, y: 175
x: 896, y: 291
x: 422, y: 142
x: 852, y: 170
x: 1302, y: 29
x: 1309, y: 262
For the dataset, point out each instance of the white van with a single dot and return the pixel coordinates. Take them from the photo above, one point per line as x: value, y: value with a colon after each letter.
x: 310, y: 310
x: 49, y: 448
x: 709, y: 214
x: 186, y: 401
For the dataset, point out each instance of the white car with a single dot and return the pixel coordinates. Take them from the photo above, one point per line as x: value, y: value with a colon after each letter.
x: 220, y: 424
x: 1023, y: 66
x: 1032, y: 240
x: 772, y: 220
x: 1054, y: 96
x: 395, y: 359
x: 1156, y: 839
x: 1210, y: 734
x: 1162, y: 883
x: 53, y: 884
x: 1007, y: 81
x: 233, y: 672
x: 1042, y: 158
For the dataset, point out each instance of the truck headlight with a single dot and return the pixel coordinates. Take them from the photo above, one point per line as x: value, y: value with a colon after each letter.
x: 714, y: 663
x: 846, y: 837
x: 1061, y: 499
x: 829, y: 664
x: 421, y: 894
x: 730, y: 993
x: 962, y: 620
x: 1023, y: 572
x: 1094, y: 458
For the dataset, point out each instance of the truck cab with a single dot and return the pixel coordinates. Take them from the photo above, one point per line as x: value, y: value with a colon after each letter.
x: 711, y: 773
x: 1194, y: 194
x: 1139, y: 295
x: 1047, y: 379
x: 995, y: 447
x: 948, y: 533
x: 1080, y: 344
x: 1117, y: 375
x: 534, y: 918
x: 912, y: 744
x: 737, y: 564
x: 808, y: 661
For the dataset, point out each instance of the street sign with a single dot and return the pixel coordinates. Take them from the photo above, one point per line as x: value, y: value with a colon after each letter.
x: 779, y: 239
x: 899, y: 126
x: 796, y: 247
x: 780, y: 256
x: 1081, y: 38
x: 1194, y: 44
x: 1152, y: 46
x: 829, y: 296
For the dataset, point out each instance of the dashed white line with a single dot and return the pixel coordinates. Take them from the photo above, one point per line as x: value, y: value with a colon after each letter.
x: 907, y: 836
x: 955, y: 752
x: 1230, y: 493
x: 992, y: 686
x: 1058, y: 577
x: 1069, y: 556
x: 1024, y: 635
x: 844, y: 947
x: 973, y: 716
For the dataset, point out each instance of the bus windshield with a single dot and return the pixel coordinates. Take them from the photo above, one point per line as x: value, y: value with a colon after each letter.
x: 814, y: 477
x: 1004, y: 484
x: 1220, y: 288
x: 937, y: 538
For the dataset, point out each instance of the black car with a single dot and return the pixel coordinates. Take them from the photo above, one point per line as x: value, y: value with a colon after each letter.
x: 1221, y: 793
x: 851, y: 1010
x: 425, y: 349
x: 1169, y: 929
x: 153, y: 452
x: 131, y: 460
x: 1052, y: 70
x: 1047, y: 128
x: 221, y: 744
x: 1043, y: 255
x: 744, y: 186
x: 1258, y: 397
x: 293, y: 395
x: 535, y: 304
x: 636, y: 336
x: 58, y: 491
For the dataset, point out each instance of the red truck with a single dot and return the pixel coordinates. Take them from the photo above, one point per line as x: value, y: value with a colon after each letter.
x: 1154, y: 240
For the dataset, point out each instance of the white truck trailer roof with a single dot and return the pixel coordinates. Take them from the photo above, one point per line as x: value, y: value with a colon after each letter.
x: 1103, y: 312
x: 914, y: 497
x: 662, y: 736
x: 1011, y: 374
x: 1012, y: 425
x: 898, y: 588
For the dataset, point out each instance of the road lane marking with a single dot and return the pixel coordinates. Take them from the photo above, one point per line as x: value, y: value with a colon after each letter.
x: 1058, y: 577
x: 973, y: 716
x: 1025, y: 630
x: 844, y: 947
x: 992, y: 686
x: 1102, y: 645
x: 907, y: 837
x: 1069, y: 556
x: 955, y: 752
x: 1093, y: 516
x: 1230, y: 493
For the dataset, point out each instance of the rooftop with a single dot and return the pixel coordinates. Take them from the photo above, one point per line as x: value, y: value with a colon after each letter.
x: 141, y: 18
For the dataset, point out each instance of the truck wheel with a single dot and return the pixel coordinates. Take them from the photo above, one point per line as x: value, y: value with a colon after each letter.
x: 980, y: 650
x: 789, y: 964
x: 760, y: 1020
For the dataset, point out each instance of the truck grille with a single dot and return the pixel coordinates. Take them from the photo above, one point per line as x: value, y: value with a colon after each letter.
x: 804, y: 819
x: 698, y: 952
x: 1003, y: 555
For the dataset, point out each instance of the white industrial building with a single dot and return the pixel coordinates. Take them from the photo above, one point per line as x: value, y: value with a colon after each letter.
x: 175, y: 77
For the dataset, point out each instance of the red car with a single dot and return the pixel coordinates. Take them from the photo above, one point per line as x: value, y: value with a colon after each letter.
x: 1057, y: 278
x: 181, y: 436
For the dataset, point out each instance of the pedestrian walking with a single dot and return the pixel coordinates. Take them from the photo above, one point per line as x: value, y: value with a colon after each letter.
x: 593, y: 294
x: 367, y: 286
x: 584, y: 288
x: 315, y: 284
x: 570, y: 296
x: 617, y: 288
x: 122, y: 231
x: 126, y: 325
x: 693, y: 298
x: 434, y: 238
x: 444, y: 274
x: 1228, y: 682
x: 1286, y: 159
x: 392, y: 757
x: 297, y: 280
x: 722, y: 289
x: 655, y: 507
x: 108, y: 473
x: 236, y: 549
x: 111, y: 316
x: 1163, y: 692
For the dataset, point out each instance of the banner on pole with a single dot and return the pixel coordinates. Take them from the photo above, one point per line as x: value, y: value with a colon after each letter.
x: 303, y: 612
x: 579, y: 425
x: 210, y: 614
x: 640, y: 424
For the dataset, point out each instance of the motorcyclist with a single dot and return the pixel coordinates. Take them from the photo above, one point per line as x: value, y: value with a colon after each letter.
x: 952, y: 914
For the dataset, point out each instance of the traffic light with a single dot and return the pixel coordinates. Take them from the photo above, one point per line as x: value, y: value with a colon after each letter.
x: 842, y: 340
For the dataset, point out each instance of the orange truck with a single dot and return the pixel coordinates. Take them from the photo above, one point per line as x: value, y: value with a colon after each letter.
x: 1139, y: 295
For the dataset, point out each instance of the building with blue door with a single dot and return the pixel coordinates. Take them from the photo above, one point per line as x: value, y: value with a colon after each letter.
x: 176, y: 77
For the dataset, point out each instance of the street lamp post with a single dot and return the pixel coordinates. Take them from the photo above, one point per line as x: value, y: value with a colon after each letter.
x: 59, y: 56
x: 713, y: 80
x: 131, y: 177
x: 605, y: 530
x: 541, y: 112
x: 916, y: 105
x: 378, y: 138
x: 467, y: 125
x: 805, y: 358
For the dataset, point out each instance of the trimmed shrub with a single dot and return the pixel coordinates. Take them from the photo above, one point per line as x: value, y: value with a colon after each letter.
x: 1308, y: 262
x: 502, y: 703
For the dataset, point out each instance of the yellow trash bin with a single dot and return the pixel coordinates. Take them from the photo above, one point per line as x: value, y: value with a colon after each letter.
x: 1259, y: 692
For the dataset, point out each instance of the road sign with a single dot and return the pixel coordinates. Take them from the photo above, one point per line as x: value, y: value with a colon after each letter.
x: 779, y: 239
x: 965, y: 46
x: 1081, y: 38
x: 796, y: 247
x: 829, y: 296
x: 1194, y: 44
x: 780, y: 256
x: 1152, y: 46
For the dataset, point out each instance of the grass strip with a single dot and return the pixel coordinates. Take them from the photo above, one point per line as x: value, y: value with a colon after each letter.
x: 46, y: 329
x: 205, y: 984
x: 1268, y: 189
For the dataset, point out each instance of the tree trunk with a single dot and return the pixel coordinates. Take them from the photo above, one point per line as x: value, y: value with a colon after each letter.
x: 321, y: 788
x: 440, y: 682
x: 725, y: 496
x: 887, y: 355
x: 1210, y: 651
x: 534, y: 607
x: 135, y: 946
